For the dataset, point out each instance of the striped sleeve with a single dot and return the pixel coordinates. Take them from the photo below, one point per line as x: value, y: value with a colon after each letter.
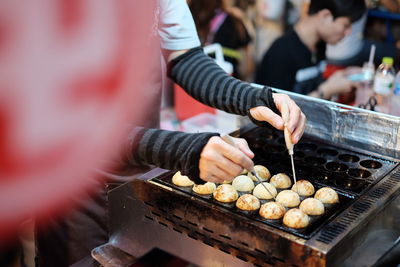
x: 204, y: 80
x: 169, y: 150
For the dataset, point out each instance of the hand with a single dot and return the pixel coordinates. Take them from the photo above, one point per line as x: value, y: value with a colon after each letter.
x: 297, y: 119
x: 337, y: 83
x: 220, y: 161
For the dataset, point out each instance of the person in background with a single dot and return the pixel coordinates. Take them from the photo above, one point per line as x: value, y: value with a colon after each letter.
x: 354, y: 49
x: 201, y: 156
x: 296, y: 61
x: 218, y: 22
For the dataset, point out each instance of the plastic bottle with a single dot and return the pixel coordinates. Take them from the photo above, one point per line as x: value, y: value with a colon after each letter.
x: 395, y: 107
x: 383, y: 84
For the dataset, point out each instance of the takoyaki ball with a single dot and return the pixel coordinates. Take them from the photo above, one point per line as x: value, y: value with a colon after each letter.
x: 272, y: 210
x: 303, y: 188
x: 244, y: 172
x: 263, y: 173
x: 248, y: 202
x: 243, y: 183
x: 295, y: 218
x: 312, y: 206
x: 281, y: 181
x: 204, y: 189
x: 225, y: 193
x: 288, y: 198
x: 181, y: 180
x: 261, y: 193
x: 327, y: 195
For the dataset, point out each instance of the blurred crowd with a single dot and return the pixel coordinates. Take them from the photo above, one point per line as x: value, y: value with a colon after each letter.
x: 246, y: 29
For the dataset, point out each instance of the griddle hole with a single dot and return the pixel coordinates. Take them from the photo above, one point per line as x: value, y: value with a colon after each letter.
x: 164, y: 224
x: 192, y: 236
x: 224, y: 250
x: 148, y: 204
x: 192, y: 223
x: 177, y: 217
x: 149, y: 218
x: 327, y: 152
x: 244, y: 244
x: 234, y: 247
x: 200, y: 234
x: 226, y: 237
x: 350, y: 183
x: 302, y: 169
x: 336, y: 167
x: 257, y: 143
x: 349, y: 158
x: 359, y: 173
x: 371, y: 164
x: 274, y: 148
x: 242, y: 258
x: 208, y: 230
x: 314, y: 161
x: 260, y: 251
x: 208, y: 243
x: 184, y: 227
x: 298, y: 155
x: 324, y: 177
x: 216, y: 240
x: 177, y: 230
x: 278, y: 259
x: 306, y: 147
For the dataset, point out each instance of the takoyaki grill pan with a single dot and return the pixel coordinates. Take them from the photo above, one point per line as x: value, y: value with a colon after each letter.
x: 364, y: 181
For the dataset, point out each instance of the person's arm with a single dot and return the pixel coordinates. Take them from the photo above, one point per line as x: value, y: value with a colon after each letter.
x: 335, y: 84
x: 201, y: 155
x: 204, y: 80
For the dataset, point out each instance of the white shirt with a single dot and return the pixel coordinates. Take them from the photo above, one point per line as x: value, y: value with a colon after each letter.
x: 351, y: 45
x: 176, y: 26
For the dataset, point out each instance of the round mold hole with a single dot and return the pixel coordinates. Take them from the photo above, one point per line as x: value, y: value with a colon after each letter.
x: 298, y: 155
x: 281, y: 140
x: 371, y: 164
x: 314, y: 161
x: 274, y: 148
x: 350, y: 184
x: 269, y: 136
x: 359, y: 173
x: 323, y: 177
x: 349, y: 158
x: 336, y: 167
x: 302, y: 169
x: 306, y: 147
x: 327, y: 152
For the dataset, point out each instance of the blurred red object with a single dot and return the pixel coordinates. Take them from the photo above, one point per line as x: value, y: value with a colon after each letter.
x: 186, y: 106
x: 344, y: 98
x: 72, y: 74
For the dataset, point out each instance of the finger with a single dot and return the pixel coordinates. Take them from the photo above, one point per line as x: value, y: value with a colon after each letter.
x: 295, y: 116
x: 298, y: 133
x: 216, y: 174
x: 229, y: 167
x: 266, y: 114
x: 244, y: 147
x: 236, y: 156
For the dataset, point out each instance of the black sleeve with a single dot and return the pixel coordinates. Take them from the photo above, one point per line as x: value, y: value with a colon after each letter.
x: 168, y: 150
x: 204, y: 80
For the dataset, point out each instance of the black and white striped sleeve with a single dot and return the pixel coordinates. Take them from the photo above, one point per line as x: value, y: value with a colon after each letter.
x: 204, y: 80
x: 171, y: 150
